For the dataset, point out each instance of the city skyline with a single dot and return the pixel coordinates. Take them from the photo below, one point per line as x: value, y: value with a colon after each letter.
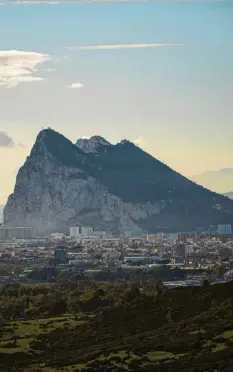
x: 157, y: 73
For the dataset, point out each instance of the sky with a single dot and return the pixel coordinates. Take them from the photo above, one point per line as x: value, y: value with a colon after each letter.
x: 159, y: 73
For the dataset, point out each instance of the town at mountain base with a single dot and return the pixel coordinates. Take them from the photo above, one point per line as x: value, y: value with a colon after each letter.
x: 117, y: 188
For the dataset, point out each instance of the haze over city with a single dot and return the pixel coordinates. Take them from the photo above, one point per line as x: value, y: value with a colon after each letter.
x: 138, y: 70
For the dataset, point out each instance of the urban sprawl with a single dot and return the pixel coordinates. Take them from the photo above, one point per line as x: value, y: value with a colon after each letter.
x: 190, y: 258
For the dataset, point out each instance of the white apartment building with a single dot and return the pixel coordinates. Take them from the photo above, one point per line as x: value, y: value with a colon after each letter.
x: 16, y: 233
x: 86, y: 231
x: 81, y: 232
x: 188, y: 249
x: 75, y: 232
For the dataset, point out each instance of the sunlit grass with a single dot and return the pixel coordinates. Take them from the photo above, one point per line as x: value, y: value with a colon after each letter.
x: 228, y: 334
x: 219, y: 347
x: 157, y: 355
x: 21, y: 345
x: 197, y: 332
x: 22, y: 333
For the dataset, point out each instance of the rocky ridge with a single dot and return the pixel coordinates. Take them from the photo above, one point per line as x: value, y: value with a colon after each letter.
x: 91, y: 145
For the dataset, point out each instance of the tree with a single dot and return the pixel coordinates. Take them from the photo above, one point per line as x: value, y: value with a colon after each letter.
x: 74, y: 305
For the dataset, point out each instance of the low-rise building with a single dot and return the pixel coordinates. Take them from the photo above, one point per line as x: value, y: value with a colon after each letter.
x: 224, y: 229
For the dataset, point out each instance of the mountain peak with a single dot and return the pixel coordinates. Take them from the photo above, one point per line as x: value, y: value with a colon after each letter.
x: 43, y: 134
x: 92, y: 144
x: 50, y: 139
x: 47, y: 135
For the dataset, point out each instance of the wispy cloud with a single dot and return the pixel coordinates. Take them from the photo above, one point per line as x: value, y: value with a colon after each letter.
x: 121, y: 46
x: 72, y: 2
x: 7, y: 142
x: 75, y: 86
x: 19, y: 67
x: 37, y: 2
x: 140, y: 141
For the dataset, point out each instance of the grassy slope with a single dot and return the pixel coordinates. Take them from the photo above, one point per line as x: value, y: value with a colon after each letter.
x: 188, y: 329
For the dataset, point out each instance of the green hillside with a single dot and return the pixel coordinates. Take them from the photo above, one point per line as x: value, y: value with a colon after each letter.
x: 119, y: 328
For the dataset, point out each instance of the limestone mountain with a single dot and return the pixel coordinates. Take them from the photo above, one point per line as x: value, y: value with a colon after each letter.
x: 113, y: 187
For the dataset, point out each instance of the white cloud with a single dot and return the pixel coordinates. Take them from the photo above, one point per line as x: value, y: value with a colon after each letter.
x: 121, y: 46
x: 140, y: 141
x: 75, y: 86
x: 19, y: 67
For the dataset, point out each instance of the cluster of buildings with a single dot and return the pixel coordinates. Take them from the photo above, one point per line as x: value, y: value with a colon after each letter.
x: 86, y: 250
x: 16, y: 233
x: 86, y: 232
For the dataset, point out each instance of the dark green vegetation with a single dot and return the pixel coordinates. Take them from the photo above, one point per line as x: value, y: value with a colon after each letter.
x: 163, y: 273
x: 117, y: 328
x: 137, y: 177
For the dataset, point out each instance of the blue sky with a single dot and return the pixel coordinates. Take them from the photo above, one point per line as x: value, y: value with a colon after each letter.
x: 175, y: 100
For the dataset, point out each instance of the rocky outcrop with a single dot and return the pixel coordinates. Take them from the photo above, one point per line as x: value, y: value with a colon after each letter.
x: 117, y: 188
x: 1, y: 213
x: 51, y: 197
x: 92, y: 145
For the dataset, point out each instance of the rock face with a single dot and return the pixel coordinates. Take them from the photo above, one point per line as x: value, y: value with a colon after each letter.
x: 92, y: 145
x: 117, y: 188
x: 1, y: 213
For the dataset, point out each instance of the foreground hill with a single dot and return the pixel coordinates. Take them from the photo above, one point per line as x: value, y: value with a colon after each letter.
x: 183, y: 329
x: 110, y: 187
